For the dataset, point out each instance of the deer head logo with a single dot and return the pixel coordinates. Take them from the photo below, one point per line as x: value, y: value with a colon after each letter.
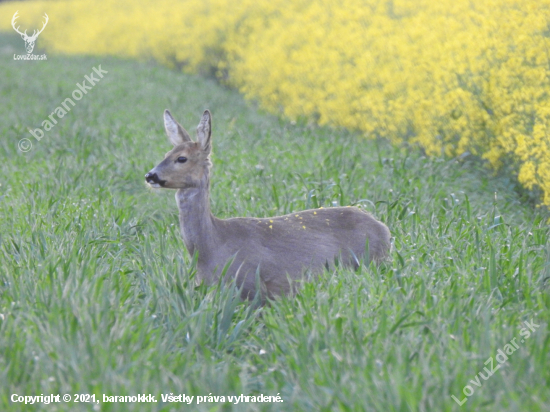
x: 29, y: 40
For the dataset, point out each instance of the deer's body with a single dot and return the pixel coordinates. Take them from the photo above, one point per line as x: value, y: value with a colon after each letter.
x: 278, y: 248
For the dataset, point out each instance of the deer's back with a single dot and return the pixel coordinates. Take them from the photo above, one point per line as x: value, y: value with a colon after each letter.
x: 287, y: 246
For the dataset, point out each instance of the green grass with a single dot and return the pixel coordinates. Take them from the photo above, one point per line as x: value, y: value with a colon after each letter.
x: 97, y: 292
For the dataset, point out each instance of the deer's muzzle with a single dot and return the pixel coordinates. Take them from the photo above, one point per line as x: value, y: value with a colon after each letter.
x: 153, y: 180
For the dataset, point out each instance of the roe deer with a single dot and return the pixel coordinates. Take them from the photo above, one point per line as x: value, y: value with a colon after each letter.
x: 279, y: 248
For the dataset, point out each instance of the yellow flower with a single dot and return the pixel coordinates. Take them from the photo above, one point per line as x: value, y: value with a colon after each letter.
x: 445, y: 75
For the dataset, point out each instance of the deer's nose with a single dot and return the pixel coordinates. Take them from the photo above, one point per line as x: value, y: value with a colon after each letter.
x: 151, y: 178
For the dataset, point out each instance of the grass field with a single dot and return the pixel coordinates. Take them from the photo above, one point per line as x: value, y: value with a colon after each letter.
x: 97, y: 293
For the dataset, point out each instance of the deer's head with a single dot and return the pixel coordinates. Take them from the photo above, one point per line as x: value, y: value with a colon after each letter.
x: 29, y: 40
x: 187, y: 164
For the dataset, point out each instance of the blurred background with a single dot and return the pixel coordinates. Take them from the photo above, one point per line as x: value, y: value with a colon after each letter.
x: 454, y: 77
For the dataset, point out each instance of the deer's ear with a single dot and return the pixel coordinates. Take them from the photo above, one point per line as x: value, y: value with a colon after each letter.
x: 176, y: 133
x: 204, y: 131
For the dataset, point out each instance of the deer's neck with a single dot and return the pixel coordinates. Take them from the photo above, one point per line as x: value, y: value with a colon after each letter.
x: 196, y: 220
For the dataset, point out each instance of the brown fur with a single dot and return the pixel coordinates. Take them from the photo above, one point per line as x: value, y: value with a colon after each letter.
x: 278, y: 248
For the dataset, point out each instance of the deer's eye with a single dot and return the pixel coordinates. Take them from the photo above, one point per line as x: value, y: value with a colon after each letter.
x: 182, y: 159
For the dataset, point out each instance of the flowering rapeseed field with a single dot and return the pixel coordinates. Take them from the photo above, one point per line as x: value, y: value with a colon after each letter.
x: 452, y: 76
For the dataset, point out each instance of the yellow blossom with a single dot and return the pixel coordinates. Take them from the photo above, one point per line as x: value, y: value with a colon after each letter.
x: 450, y: 76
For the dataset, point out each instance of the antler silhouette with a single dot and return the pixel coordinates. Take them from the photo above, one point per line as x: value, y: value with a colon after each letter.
x: 29, y: 40
x: 42, y: 29
x: 15, y: 16
x: 24, y: 35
